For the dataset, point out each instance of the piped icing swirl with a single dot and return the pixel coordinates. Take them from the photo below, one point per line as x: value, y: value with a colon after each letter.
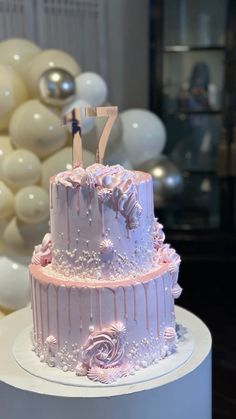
x: 166, y: 254
x: 115, y: 187
x: 43, y: 252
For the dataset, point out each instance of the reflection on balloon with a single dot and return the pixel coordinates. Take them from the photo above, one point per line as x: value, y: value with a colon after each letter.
x: 48, y: 59
x: 87, y: 123
x: 17, y: 53
x: 32, y: 205
x: 12, y: 93
x: 37, y: 128
x: 5, y: 148
x: 61, y: 161
x: 56, y: 87
x: 92, y: 88
x: 144, y: 135
x: 167, y: 179
x: 21, y: 168
x: 14, y: 284
x: 6, y: 201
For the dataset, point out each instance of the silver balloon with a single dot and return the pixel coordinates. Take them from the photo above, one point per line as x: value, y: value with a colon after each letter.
x: 56, y: 87
x: 167, y: 179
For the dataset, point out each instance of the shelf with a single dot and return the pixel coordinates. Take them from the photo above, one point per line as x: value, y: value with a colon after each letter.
x: 188, y: 112
x: 188, y: 48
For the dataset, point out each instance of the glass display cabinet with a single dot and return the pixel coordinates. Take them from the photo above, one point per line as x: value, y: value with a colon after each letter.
x: 193, y: 68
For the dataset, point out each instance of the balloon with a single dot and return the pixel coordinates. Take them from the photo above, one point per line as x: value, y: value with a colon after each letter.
x: 5, y: 148
x: 48, y: 59
x: 12, y: 93
x: 14, y: 284
x: 6, y: 201
x: 56, y: 87
x: 21, y: 236
x: 118, y: 157
x: 32, y: 205
x: 17, y: 53
x: 21, y: 168
x: 37, y: 128
x: 92, y: 88
x: 144, y: 135
x: 87, y: 122
x: 90, y: 140
x: 167, y: 179
x: 61, y: 161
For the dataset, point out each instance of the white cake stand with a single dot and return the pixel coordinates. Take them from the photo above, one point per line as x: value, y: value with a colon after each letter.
x: 182, y: 393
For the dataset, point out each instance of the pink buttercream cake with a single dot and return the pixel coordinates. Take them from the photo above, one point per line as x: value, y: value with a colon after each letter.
x: 103, y: 282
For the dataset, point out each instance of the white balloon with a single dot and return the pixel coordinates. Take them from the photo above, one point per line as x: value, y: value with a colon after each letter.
x: 37, y: 128
x: 144, y: 135
x: 17, y: 53
x: 5, y: 148
x: 48, y: 59
x: 87, y: 122
x: 14, y: 284
x: 32, y: 205
x: 21, y: 168
x: 118, y: 157
x: 92, y: 88
x: 12, y: 93
x: 21, y: 237
x: 6, y: 201
x: 61, y: 161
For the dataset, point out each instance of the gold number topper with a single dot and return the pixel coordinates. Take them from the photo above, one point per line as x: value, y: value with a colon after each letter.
x: 74, y: 117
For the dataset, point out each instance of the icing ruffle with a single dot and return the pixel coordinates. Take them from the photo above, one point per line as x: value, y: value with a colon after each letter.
x: 167, y: 254
x: 158, y: 233
x: 43, y: 252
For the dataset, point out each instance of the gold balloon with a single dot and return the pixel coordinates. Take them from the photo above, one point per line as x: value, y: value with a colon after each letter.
x: 56, y: 87
x: 6, y: 201
x: 48, y: 59
x: 21, y: 236
x: 167, y: 179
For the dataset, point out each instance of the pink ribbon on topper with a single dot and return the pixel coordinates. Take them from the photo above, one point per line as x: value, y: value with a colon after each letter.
x: 74, y: 117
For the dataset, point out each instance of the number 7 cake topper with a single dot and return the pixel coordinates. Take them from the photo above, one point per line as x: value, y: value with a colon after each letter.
x: 74, y: 117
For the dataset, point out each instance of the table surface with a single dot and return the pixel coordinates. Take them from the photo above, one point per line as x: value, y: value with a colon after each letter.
x: 11, y: 373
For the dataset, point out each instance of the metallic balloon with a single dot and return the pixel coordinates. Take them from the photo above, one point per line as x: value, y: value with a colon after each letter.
x: 167, y: 179
x: 56, y: 87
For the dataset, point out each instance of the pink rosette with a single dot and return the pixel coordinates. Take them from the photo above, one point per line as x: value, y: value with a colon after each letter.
x: 158, y: 234
x: 43, y: 252
x: 176, y: 291
x: 105, y: 348
x: 170, y: 335
x: 166, y: 254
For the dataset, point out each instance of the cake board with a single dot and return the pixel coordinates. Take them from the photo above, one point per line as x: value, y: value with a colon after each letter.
x: 183, y: 393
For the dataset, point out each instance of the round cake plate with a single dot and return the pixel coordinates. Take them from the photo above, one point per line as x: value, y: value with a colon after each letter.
x: 183, y: 392
x: 28, y: 360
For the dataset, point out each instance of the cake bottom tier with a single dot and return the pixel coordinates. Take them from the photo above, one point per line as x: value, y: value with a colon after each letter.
x: 105, y: 330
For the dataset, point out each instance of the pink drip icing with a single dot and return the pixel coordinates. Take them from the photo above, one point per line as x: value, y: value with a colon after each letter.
x: 115, y: 305
x: 164, y: 294
x: 67, y: 216
x: 125, y: 303
x: 58, y: 320
x: 69, y: 315
x: 99, y: 308
x: 41, y: 311
x: 32, y: 300
x: 134, y: 296
x: 31, y: 296
x: 78, y: 200
x: 48, y: 316
x: 36, y: 312
x: 57, y: 190
x: 145, y: 286
x: 157, y: 314
x: 80, y: 311
x: 91, y: 305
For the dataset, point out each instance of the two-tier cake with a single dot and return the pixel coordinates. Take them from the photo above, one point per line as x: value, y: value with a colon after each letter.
x: 103, y: 282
